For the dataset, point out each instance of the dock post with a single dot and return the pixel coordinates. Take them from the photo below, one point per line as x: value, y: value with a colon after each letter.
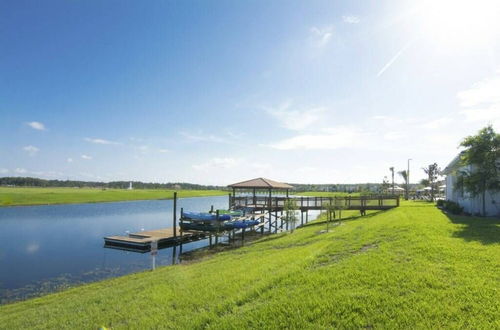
x: 211, y: 209
x: 175, y: 214
x: 270, y: 204
x: 276, y: 219
x: 174, y: 250
x: 301, y: 217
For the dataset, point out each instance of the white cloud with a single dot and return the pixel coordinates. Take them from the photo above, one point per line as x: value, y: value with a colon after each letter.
x: 490, y: 114
x: 381, y: 117
x: 87, y: 157
x: 4, y: 171
x: 36, y: 125
x: 351, y: 19
x: 217, y: 163
x: 69, y: 160
x: 162, y: 151
x: 321, y: 36
x: 483, y: 92
x: 296, y: 120
x: 437, y: 123
x: 20, y: 170
x: 202, y: 137
x: 31, y: 150
x: 335, y: 138
x: 393, y: 135
x: 100, y: 141
x: 90, y: 176
x: 481, y: 102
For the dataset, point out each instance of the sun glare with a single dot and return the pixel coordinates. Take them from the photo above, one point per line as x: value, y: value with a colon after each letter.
x: 462, y: 22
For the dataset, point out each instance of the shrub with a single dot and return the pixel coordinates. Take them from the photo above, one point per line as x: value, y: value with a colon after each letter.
x: 453, y: 207
x: 440, y: 203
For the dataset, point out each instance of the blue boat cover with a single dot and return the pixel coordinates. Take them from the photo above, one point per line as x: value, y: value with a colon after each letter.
x: 205, y: 216
x: 243, y: 223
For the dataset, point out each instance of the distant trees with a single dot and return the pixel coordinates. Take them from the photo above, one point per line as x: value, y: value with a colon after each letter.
x: 36, y: 182
x: 481, y: 159
x: 385, y: 185
x: 432, y: 172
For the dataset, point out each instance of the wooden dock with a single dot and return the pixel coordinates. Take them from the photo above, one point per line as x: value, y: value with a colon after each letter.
x: 142, y: 240
x: 268, y: 209
x: 306, y: 203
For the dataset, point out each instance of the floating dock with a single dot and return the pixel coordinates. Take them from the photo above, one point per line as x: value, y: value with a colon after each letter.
x: 143, y: 239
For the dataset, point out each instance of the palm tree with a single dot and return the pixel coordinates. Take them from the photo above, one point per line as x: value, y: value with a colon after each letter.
x: 392, y: 173
x: 404, y: 175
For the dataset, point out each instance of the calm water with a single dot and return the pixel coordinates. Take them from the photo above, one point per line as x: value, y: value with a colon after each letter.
x: 45, y: 248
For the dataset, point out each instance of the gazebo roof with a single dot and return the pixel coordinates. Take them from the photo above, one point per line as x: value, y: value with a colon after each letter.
x: 260, y: 183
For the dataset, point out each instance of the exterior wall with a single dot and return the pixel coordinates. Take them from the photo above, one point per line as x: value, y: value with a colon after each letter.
x: 472, y: 205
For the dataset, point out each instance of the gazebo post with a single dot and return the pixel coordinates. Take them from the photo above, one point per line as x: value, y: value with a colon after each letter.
x: 254, y: 197
x: 270, y: 209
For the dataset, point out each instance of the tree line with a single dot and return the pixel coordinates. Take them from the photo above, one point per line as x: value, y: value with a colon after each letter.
x: 36, y: 182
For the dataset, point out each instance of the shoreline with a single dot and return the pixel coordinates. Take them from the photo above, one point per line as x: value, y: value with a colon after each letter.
x: 40, y: 197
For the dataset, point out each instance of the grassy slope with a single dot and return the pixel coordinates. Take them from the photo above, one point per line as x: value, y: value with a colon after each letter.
x: 407, y: 267
x: 38, y: 196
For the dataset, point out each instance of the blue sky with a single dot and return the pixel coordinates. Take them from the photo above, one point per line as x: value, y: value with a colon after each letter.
x: 222, y: 91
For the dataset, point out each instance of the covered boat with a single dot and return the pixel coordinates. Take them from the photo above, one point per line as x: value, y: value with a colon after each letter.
x: 205, y: 216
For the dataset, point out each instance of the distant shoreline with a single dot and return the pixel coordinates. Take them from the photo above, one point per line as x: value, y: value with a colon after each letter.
x: 42, y: 196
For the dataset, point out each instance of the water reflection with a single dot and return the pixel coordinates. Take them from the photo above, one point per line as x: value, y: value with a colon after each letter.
x: 45, y: 248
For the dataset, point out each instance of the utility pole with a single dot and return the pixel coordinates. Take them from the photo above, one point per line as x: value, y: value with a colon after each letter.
x: 408, y: 180
x: 392, y: 172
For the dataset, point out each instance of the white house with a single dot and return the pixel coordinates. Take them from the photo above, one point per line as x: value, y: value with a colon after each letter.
x: 472, y: 205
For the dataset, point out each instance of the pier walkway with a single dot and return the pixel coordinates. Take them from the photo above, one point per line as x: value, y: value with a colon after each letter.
x: 306, y: 203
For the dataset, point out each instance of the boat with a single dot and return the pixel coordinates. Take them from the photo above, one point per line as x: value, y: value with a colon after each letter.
x: 205, y: 216
x: 199, y: 226
x: 241, y: 224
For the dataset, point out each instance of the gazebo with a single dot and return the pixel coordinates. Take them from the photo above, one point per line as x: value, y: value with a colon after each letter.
x: 260, y: 184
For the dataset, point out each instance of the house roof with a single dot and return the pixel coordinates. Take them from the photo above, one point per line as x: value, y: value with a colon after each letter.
x: 452, y: 165
x: 261, y: 183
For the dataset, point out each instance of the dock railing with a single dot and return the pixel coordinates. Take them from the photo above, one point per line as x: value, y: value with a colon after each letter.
x: 372, y: 202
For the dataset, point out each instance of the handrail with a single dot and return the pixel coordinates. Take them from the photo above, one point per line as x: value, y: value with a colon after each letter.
x: 318, y: 201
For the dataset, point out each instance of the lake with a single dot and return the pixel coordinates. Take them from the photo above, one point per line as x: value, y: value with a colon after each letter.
x: 46, y: 248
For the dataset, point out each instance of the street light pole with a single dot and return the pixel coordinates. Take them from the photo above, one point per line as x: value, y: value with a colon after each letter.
x: 408, y: 180
x: 392, y: 172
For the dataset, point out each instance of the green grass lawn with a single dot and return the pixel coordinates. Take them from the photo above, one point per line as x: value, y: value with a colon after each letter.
x: 410, y: 267
x: 39, y: 196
